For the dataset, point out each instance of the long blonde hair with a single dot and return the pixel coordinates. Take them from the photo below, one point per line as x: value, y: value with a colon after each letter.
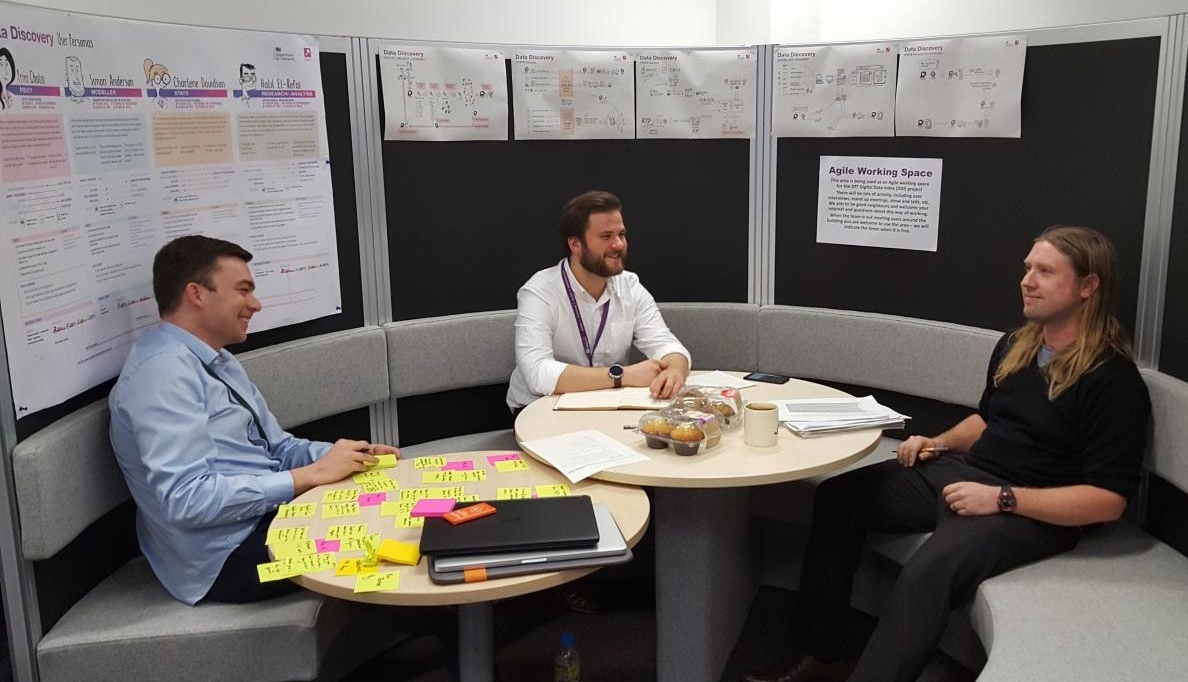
x: 1097, y: 328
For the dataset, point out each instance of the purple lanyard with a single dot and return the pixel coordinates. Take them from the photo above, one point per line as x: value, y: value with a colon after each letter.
x: 577, y: 315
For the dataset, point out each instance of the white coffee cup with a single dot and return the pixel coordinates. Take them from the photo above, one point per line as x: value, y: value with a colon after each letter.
x: 761, y: 424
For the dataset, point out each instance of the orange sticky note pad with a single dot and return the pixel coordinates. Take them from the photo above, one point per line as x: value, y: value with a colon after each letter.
x: 399, y: 552
x: 474, y: 511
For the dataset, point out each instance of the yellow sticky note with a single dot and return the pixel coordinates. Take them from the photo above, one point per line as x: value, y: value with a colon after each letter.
x: 296, y: 511
x: 334, y: 510
x: 518, y: 493
x: 389, y: 508
x: 285, y: 550
x: 376, y: 582
x: 452, y: 492
x: 410, y: 521
x: 313, y: 563
x: 510, y: 465
x: 557, y: 490
x: 368, y: 476
x: 413, y: 493
x: 346, y: 530
x: 359, y: 544
x: 378, y: 485
x: 429, y: 462
x: 385, y: 462
x: 341, y: 495
x: 399, y: 552
x: 466, y: 498
x: 275, y: 570
x: 354, y: 567
x: 438, y: 477
x: 277, y: 536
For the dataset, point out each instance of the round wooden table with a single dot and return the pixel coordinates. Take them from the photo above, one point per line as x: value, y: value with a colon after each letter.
x: 706, y: 574
x: 628, y: 505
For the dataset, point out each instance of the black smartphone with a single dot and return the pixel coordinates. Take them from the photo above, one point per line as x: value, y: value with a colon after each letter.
x: 767, y: 378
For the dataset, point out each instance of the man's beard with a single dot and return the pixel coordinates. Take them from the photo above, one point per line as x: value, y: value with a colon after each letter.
x: 598, y: 266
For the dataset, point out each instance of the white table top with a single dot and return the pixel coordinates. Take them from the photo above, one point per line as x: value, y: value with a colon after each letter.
x: 629, y: 505
x: 732, y: 463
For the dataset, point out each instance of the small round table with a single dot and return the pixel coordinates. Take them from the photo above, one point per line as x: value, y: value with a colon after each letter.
x: 628, y: 505
x: 706, y: 576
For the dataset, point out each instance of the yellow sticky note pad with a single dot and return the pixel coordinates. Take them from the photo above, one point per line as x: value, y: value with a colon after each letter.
x: 359, y: 544
x: 399, y: 552
x: 343, y: 495
x: 354, y: 567
x: 429, y: 462
x: 519, y: 493
x: 509, y: 465
x: 557, y: 490
x: 410, y: 521
x: 275, y: 570
x: 385, y: 462
x: 378, y: 485
x: 296, y: 511
x: 277, y: 536
x: 376, y: 582
x: 334, y: 510
x: 285, y: 550
x: 346, y: 530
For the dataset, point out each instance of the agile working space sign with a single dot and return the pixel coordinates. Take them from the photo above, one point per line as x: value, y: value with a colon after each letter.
x: 892, y: 203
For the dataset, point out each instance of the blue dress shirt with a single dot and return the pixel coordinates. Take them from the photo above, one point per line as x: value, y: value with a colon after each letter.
x: 194, y: 458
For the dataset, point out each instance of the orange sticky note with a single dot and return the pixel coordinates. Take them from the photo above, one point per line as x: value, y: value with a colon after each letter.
x: 399, y: 552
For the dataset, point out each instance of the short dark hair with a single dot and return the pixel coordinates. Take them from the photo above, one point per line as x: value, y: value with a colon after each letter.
x: 575, y: 215
x: 189, y: 259
x: 6, y: 55
x: 245, y: 65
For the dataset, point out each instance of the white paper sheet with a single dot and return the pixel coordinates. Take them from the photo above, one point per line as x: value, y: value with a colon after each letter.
x: 443, y: 93
x: 695, y: 93
x: 961, y: 87
x: 583, y: 453
x: 717, y: 378
x: 573, y: 95
x: 834, y: 91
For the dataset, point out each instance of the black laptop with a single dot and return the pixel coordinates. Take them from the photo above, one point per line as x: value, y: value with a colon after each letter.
x: 515, y: 526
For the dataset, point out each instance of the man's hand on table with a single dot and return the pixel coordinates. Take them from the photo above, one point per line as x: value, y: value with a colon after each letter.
x: 345, y: 457
x: 668, y: 382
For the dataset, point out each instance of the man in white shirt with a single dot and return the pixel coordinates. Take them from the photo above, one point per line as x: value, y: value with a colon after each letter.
x: 576, y: 321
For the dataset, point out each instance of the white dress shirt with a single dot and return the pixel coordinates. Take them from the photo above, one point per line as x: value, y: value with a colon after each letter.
x: 547, y: 337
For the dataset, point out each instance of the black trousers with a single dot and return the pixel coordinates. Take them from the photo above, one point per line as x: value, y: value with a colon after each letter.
x: 945, y: 572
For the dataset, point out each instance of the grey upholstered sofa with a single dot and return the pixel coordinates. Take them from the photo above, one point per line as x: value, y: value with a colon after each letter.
x: 1109, y: 610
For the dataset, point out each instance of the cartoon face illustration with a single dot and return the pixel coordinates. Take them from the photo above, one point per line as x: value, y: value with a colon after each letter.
x: 157, y: 77
x: 74, y: 78
x: 7, y: 76
x: 247, y: 79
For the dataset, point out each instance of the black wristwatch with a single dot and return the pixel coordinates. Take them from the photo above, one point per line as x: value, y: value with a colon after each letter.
x: 1006, y: 500
x: 616, y: 375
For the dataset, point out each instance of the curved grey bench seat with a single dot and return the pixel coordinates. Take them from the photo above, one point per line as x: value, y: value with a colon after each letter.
x: 128, y: 627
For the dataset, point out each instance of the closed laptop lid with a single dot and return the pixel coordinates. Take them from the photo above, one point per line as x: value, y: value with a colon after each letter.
x: 610, y: 542
x: 516, y: 525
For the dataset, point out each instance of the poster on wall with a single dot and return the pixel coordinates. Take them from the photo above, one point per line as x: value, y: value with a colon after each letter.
x: 118, y: 136
x: 443, y: 93
x: 892, y: 203
x: 573, y: 95
x: 961, y: 87
x: 834, y: 91
x: 695, y: 94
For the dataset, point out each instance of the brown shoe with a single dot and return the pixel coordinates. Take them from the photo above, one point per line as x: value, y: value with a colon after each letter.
x: 803, y: 669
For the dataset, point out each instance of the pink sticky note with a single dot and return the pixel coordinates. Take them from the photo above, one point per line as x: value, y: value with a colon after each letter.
x: 491, y: 459
x: 459, y: 465
x: 324, y: 545
x: 429, y: 506
x: 372, y: 499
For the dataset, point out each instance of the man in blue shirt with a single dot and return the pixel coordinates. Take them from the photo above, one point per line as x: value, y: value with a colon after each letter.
x: 205, y: 459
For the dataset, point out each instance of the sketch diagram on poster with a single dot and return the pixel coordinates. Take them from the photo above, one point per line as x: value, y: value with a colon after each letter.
x: 567, y: 95
x: 695, y: 93
x: 443, y: 93
x: 834, y: 91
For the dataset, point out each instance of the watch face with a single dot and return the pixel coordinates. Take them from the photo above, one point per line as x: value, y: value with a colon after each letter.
x: 616, y: 371
x: 1006, y: 499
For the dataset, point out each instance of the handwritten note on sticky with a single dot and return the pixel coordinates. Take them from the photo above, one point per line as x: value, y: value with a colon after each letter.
x: 451, y: 492
x: 459, y: 465
x: 368, y: 476
x: 510, y: 465
x: 429, y: 462
x: 410, y: 521
x: 324, y: 545
x: 378, y: 485
x: 555, y: 490
x: 335, y: 510
x: 379, y: 581
x: 372, y: 499
x: 313, y: 563
x: 354, y: 567
x: 342, y: 495
x: 296, y: 511
x: 467, y: 498
x: 285, y: 550
x: 360, y: 543
x: 346, y: 530
x: 430, y: 507
x: 453, y: 476
x: 517, y: 493
x: 414, y: 493
x: 275, y: 570
x: 502, y: 457
x: 277, y: 536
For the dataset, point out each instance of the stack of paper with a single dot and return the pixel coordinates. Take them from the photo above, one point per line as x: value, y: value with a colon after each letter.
x: 583, y: 453
x: 818, y: 416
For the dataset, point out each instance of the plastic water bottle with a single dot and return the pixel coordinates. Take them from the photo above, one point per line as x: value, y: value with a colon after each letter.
x: 567, y: 667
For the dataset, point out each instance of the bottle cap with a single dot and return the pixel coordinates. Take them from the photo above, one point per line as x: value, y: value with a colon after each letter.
x: 567, y: 640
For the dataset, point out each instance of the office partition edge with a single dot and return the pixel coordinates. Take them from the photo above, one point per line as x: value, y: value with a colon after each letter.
x: 21, y: 613
x: 765, y: 180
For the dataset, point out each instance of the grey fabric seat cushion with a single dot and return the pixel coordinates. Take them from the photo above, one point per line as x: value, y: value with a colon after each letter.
x: 494, y: 441
x: 129, y: 628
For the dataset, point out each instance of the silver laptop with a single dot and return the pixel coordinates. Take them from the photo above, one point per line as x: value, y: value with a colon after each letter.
x: 610, y: 542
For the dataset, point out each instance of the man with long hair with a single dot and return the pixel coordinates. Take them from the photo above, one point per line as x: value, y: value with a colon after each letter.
x: 1056, y: 445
